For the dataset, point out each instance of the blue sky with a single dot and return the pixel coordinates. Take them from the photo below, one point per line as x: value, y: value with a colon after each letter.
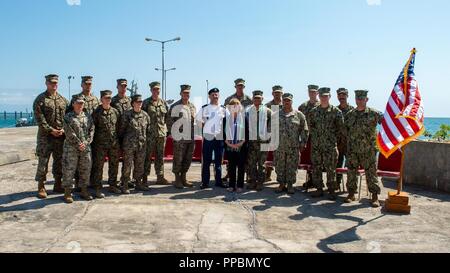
x: 358, y: 44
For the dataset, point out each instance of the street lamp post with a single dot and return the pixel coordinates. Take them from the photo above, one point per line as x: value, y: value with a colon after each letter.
x: 70, y: 78
x: 163, y: 82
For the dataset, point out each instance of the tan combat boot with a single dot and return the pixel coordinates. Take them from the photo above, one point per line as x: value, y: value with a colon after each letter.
x: 375, y: 202
x: 57, y: 188
x: 98, y: 192
x: 185, y: 182
x: 42, y: 193
x: 291, y: 189
x: 281, y: 188
x: 178, y: 183
x: 85, y: 194
x: 317, y: 194
x: 350, y: 198
x: 162, y: 181
x: 68, y: 196
x: 125, y: 189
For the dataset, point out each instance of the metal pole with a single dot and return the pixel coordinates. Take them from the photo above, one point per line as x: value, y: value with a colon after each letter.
x: 165, y: 84
x: 163, y: 73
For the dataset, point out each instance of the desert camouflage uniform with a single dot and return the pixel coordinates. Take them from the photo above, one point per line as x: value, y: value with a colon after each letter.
x: 106, y: 143
x: 134, y: 129
x: 362, y: 151
x: 293, y: 135
x: 325, y: 125
x: 49, y: 114
x: 158, y: 112
x: 79, y: 129
x: 183, y: 149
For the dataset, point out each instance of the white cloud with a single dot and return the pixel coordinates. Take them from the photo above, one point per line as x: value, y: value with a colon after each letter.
x: 73, y: 2
x: 373, y: 2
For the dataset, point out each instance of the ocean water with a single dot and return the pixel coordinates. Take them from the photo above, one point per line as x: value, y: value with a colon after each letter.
x: 431, y: 124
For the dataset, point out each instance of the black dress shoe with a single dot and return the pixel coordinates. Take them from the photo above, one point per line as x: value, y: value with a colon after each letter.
x: 202, y: 187
x: 221, y: 186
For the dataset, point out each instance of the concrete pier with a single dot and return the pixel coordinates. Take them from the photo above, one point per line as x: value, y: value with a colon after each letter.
x: 190, y: 220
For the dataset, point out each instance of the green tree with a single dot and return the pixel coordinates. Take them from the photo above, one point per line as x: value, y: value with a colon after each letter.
x: 443, y: 134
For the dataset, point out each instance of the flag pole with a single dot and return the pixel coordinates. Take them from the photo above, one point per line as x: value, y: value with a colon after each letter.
x: 405, y: 91
x: 400, y: 182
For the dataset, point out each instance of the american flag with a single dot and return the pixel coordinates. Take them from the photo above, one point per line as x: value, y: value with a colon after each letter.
x: 404, y: 116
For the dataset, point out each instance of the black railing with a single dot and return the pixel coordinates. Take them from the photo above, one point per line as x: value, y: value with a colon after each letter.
x: 15, y: 116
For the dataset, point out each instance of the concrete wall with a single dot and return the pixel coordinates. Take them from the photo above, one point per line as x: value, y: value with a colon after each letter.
x: 428, y: 164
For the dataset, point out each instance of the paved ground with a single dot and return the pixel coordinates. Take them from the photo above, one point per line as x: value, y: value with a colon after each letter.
x: 169, y: 220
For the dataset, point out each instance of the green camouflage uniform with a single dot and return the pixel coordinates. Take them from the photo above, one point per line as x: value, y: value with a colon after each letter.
x: 134, y: 129
x: 342, y: 145
x: 91, y: 103
x: 325, y: 125
x: 79, y: 129
x: 257, y: 158
x: 293, y: 135
x: 361, y: 147
x: 272, y: 103
x: 158, y: 112
x: 49, y: 114
x: 245, y: 100
x: 106, y: 143
x: 122, y: 105
x: 306, y: 109
x: 183, y: 149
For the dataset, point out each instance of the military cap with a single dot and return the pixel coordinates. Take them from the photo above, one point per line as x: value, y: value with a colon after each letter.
x: 361, y: 94
x: 79, y: 98
x: 342, y: 91
x: 106, y: 93
x: 313, y: 87
x: 277, y: 88
x: 136, y: 98
x: 288, y: 96
x: 122, y: 82
x: 155, y: 84
x: 214, y: 90
x: 86, y: 79
x: 52, y: 78
x: 258, y: 94
x: 239, y: 82
x: 185, y: 87
x: 325, y: 91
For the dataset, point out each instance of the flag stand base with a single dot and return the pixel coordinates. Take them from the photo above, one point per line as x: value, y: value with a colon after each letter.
x: 398, y: 203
